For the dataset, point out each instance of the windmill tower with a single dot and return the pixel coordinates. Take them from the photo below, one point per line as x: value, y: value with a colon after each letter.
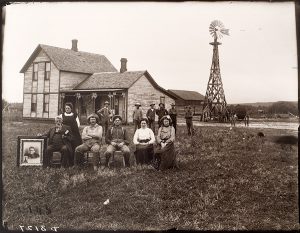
x: 214, y: 101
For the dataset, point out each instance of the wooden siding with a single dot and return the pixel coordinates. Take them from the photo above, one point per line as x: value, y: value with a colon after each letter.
x: 28, y: 79
x: 54, y: 79
x: 143, y: 92
x: 39, y: 105
x: 68, y: 80
x: 26, y: 105
x: 53, y: 105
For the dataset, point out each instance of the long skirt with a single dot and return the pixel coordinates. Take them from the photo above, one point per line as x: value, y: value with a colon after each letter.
x: 144, y: 154
x: 165, y: 157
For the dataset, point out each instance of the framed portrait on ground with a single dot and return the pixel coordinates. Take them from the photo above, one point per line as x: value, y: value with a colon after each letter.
x: 31, y: 150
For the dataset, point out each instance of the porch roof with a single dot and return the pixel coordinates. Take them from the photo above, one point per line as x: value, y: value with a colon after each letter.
x: 93, y: 90
x: 108, y: 80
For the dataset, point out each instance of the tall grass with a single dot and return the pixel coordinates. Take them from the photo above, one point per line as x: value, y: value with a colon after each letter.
x: 227, y: 180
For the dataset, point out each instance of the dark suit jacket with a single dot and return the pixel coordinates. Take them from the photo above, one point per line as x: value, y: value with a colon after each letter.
x: 66, y: 130
x: 151, y: 114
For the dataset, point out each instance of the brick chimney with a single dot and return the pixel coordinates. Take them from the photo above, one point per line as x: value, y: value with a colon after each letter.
x: 123, y: 65
x: 74, y: 45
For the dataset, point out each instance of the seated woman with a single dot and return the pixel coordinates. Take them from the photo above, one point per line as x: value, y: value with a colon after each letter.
x: 143, y: 139
x: 164, y: 154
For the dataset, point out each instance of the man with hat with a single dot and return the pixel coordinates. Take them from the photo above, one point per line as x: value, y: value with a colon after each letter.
x: 117, y: 139
x: 189, y: 120
x: 161, y: 112
x: 173, y: 115
x: 151, y: 117
x: 91, y: 137
x: 137, y: 116
x: 59, y: 139
x: 105, y: 113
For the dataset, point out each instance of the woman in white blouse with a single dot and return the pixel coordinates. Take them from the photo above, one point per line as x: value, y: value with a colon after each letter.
x: 143, y: 139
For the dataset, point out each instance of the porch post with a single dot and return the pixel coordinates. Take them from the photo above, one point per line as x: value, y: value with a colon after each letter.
x: 110, y: 100
x: 124, y: 108
x: 94, y: 96
x: 78, y: 96
x: 61, y: 103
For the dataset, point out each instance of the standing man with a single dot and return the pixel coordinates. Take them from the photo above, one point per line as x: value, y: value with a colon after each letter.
x: 91, y: 137
x: 59, y: 139
x: 160, y: 113
x: 117, y: 139
x: 151, y: 117
x: 246, y: 119
x: 137, y: 116
x: 105, y: 114
x: 173, y: 115
x: 189, y: 120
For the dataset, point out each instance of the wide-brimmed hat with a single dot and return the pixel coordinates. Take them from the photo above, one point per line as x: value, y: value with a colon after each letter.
x: 117, y: 116
x: 93, y: 115
x: 106, y: 102
x: 152, y: 104
x: 137, y: 104
x: 172, y: 104
x: 166, y: 117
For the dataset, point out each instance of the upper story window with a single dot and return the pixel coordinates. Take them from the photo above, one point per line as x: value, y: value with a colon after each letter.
x: 47, y: 70
x: 35, y: 72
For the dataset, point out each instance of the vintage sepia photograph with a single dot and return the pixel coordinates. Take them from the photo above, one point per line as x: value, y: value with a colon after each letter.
x: 150, y: 116
x: 31, y: 150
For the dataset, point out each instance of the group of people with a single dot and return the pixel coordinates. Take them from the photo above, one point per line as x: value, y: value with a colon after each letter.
x: 158, y: 150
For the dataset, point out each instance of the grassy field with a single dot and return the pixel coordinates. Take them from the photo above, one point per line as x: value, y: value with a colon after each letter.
x: 227, y: 180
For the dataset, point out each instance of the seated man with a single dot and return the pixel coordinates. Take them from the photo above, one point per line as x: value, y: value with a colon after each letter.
x: 91, y: 137
x: 117, y: 139
x: 59, y: 139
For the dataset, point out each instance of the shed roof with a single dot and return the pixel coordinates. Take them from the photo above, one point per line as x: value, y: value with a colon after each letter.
x: 70, y: 60
x: 187, y: 95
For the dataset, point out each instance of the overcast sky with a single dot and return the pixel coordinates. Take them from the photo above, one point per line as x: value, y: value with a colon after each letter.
x: 258, y: 60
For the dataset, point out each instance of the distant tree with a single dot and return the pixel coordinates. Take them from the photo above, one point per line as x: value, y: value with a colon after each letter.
x: 283, y: 107
x: 4, y: 103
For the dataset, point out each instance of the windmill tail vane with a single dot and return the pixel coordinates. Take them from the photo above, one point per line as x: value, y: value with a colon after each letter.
x: 225, y: 31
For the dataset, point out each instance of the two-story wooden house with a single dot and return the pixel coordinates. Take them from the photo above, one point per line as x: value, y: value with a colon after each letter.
x: 54, y: 76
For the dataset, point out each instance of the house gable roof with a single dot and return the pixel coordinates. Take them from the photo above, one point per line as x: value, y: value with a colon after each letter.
x: 187, y: 95
x: 69, y: 60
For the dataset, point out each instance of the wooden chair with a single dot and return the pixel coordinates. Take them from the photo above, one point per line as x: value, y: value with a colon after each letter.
x: 56, y: 159
x: 115, y: 159
x: 88, y: 158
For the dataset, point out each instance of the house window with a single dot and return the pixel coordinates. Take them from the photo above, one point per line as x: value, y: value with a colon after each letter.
x: 46, y: 103
x: 35, y: 72
x: 47, y: 70
x: 162, y: 99
x: 33, y: 103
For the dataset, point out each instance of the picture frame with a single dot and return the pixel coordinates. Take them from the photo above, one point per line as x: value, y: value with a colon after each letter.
x: 31, y: 150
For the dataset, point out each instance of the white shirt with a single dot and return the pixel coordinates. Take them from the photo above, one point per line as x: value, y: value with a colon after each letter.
x: 142, y: 134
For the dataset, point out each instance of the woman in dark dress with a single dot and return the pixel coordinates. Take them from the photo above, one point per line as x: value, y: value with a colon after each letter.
x: 164, y: 153
x: 71, y: 119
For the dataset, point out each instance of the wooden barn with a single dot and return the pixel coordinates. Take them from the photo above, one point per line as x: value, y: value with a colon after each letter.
x: 184, y: 98
x: 54, y: 76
